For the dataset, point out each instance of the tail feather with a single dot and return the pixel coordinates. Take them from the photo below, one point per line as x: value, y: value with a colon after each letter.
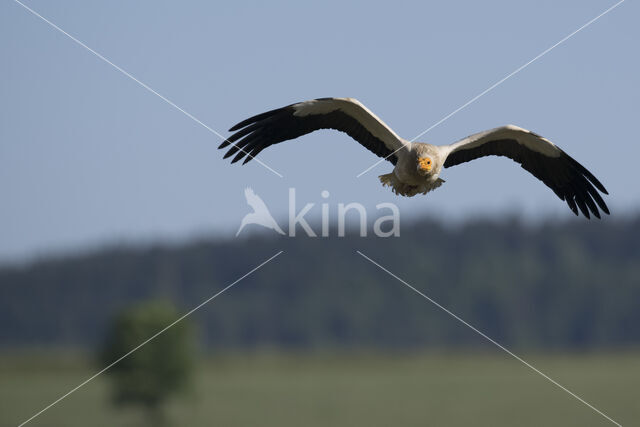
x: 387, y: 180
x: 402, y: 189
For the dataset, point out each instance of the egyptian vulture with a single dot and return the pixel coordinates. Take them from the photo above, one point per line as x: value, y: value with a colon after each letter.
x: 418, y: 165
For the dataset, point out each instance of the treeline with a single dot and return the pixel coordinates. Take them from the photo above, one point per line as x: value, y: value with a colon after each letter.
x: 565, y: 285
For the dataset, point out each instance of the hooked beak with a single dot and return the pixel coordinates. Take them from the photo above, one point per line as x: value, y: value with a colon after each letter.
x: 424, y: 166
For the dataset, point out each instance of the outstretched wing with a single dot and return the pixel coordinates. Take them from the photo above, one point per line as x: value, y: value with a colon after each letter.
x: 571, y: 181
x: 344, y: 114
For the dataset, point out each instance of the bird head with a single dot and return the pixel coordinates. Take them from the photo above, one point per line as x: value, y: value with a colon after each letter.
x: 425, y: 165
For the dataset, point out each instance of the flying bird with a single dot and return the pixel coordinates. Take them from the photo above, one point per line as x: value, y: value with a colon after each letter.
x: 418, y: 165
x: 260, y: 215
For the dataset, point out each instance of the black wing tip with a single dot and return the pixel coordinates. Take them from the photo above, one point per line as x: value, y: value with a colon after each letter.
x: 584, y: 210
x: 239, y: 152
x: 579, y: 205
x: 595, y: 182
x: 237, y: 126
x: 605, y: 210
x: 259, y: 117
x: 587, y: 209
x: 584, y: 171
x: 590, y: 181
x: 238, y: 156
x: 572, y: 205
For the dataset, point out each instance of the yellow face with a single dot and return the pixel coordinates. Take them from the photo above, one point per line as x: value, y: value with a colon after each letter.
x: 425, y: 164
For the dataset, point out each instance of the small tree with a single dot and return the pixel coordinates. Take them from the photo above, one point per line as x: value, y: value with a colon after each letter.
x: 160, y: 368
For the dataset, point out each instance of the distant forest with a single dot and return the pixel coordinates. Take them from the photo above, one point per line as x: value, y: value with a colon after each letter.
x: 569, y: 285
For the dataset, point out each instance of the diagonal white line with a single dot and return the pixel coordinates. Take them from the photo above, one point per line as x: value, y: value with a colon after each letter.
x: 493, y: 86
x: 142, y: 84
x: 497, y: 344
x: 181, y: 318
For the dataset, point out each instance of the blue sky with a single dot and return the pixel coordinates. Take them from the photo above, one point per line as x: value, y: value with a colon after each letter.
x: 88, y: 156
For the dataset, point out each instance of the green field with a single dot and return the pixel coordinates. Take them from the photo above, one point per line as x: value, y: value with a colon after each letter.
x: 439, y: 389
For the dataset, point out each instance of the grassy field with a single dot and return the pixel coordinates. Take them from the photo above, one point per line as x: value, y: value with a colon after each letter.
x: 441, y: 389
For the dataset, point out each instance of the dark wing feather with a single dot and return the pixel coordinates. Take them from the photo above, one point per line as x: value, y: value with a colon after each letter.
x: 568, y: 179
x: 347, y: 115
